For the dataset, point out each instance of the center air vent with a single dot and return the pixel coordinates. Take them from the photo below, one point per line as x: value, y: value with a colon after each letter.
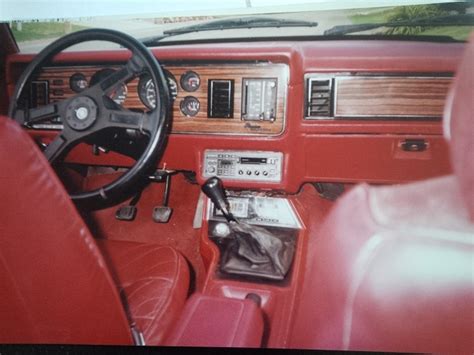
x: 221, y: 99
x: 319, y: 97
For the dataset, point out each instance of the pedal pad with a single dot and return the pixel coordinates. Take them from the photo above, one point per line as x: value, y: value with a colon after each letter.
x: 126, y: 213
x: 162, y: 214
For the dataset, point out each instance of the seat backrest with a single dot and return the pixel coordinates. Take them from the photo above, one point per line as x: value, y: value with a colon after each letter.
x: 55, y: 285
x: 391, y: 268
x: 459, y: 126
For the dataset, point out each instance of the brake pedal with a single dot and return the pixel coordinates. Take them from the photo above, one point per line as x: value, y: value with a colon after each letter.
x: 162, y: 214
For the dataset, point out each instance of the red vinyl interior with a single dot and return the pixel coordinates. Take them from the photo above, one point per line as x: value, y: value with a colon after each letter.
x: 338, y: 151
x: 218, y: 322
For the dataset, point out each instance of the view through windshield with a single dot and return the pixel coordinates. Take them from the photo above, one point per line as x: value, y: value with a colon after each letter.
x: 33, y: 35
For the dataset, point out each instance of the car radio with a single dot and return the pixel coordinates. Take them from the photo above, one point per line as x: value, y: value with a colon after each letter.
x: 243, y: 165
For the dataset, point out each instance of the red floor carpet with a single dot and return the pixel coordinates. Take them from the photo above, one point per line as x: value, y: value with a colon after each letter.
x: 177, y: 233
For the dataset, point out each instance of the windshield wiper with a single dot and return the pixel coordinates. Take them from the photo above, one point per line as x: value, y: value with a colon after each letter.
x: 234, y: 23
x: 451, y: 20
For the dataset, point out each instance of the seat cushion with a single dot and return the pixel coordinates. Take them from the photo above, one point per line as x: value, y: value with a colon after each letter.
x: 153, y: 279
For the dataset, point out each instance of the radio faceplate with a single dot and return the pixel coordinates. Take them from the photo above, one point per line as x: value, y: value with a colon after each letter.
x: 243, y: 165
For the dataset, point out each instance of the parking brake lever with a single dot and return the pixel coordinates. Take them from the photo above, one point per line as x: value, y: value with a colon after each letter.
x: 214, y: 189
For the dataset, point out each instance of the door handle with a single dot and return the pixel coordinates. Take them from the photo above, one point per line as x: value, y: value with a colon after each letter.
x: 414, y: 145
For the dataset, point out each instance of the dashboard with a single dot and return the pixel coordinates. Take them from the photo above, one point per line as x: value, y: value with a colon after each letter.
x: 343, y: 111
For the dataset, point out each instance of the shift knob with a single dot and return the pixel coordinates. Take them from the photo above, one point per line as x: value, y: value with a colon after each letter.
x: 214, y: 189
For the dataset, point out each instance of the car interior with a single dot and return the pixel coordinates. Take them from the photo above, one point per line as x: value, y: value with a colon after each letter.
x: 282, y: 192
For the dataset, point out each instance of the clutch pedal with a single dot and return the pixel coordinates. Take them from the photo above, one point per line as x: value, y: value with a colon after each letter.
x: 128, y: 212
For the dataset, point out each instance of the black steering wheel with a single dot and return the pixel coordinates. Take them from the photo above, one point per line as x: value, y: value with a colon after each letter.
x: 87, y: 114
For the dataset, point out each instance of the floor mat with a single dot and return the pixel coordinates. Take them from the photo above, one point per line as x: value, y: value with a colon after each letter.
x: 177, y: 233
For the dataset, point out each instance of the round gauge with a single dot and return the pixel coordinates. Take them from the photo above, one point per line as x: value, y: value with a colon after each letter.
x: 190, y: 81
x: 190, y: 106
x: 119, y: 94
x: 78, y: 82
x: 146, y: 89
x: 147, y: 92
x: 172, y: 84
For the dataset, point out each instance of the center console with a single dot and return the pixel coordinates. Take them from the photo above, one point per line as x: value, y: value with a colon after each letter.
x: 252, y: 241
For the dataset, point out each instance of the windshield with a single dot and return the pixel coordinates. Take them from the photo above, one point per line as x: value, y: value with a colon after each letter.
x: 255, y: 19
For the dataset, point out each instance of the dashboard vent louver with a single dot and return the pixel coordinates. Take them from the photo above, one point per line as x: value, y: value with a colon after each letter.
x: 319, y: 97
x: 221, y: 99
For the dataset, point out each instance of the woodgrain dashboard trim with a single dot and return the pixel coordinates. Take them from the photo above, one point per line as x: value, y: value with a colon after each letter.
x: 201, y: 123
x: 382, y: 97
x: 390, y: 96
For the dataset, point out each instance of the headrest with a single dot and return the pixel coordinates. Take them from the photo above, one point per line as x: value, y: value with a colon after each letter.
x: 459, y: 125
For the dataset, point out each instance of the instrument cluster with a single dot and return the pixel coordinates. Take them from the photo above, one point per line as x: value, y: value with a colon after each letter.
x: 189, y: 82
x: 78, y: 82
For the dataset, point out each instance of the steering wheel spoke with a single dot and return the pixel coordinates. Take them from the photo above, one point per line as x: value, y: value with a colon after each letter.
x: 38, y: 114
x: 127, y: 119
x: 59, y: 146
x: 136, y: 65
x: 130, y: 70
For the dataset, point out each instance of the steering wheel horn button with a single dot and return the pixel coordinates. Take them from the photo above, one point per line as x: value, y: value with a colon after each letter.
x: 81, y: 113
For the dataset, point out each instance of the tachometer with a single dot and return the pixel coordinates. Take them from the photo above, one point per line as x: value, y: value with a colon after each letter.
x: 172, y: 84
x: 119, y: 94
x: 146, y: 89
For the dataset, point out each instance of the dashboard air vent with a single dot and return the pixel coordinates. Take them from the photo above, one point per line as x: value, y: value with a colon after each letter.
x: 319, y: 97
x: 221, y: 99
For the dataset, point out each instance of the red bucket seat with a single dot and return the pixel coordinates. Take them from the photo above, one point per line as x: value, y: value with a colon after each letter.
x: 58, y: 284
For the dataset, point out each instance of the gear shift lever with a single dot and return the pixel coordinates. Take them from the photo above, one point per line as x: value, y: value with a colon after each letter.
x: 250, y: 250
x: 214, y: 189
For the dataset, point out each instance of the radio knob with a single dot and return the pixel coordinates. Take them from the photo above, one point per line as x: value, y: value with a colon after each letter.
x: 257, y: 172
x: 241, y: 172
x: 249, y: 172
x: 211, y: 169
x: 265, y: 173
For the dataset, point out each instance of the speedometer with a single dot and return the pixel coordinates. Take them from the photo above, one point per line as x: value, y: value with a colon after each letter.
x: 146, y: 89
x: 147, y: 92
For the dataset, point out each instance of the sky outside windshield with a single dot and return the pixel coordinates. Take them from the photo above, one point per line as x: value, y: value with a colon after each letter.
x: 50, y: 9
